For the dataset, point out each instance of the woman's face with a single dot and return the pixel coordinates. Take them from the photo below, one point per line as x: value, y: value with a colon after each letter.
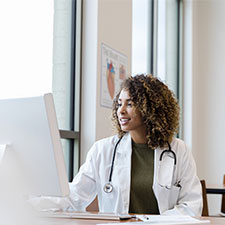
x: 128, y: 117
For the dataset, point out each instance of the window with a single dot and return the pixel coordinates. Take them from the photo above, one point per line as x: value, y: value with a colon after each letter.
x: 66, y: 78
x: 40, y: 49
x: 167, y: 42
x: 167, y: 46
x: 142, y: 36
x: 157, y: 40
x: 26, y: 48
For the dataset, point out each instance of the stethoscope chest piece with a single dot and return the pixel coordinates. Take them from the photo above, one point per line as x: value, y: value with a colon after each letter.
x: 108, y: 188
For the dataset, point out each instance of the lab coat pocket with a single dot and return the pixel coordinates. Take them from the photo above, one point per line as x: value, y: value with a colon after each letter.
x: 173, y: 197
x: 166, y: 171
x: 162, y: 196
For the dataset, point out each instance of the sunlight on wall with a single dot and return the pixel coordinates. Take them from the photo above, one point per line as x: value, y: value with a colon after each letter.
x: 26, y: 47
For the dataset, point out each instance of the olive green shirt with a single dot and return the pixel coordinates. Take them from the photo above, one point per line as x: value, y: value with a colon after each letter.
x: 142, y: 198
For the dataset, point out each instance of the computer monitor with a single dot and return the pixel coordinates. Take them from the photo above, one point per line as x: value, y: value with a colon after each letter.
x: 28, y: 126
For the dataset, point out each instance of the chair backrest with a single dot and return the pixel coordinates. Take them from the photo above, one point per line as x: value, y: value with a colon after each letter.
x: 93, y: 207
x: 205, y: 210
x: 223, y: 198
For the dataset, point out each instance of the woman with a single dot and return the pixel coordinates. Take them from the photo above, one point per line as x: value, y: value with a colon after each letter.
x: 146, y: 117
x: 131, y: 172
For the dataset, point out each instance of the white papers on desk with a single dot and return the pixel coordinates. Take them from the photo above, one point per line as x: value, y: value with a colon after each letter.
x: 164, y: 220
x: 179, y: 219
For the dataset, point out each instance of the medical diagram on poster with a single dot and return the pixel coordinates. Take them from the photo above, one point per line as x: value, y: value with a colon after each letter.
x: 113, y: 72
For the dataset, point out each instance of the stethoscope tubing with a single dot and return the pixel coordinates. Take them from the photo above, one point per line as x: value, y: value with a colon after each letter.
x: 169, y: 151
x: 108, y: 187
x: 113, y: 160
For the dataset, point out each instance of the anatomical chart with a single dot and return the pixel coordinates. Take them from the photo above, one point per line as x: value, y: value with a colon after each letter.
x: 113, y: 72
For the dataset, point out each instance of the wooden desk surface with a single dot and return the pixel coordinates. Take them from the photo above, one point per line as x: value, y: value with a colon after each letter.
x: 61, y: 221
x: 215, y: 220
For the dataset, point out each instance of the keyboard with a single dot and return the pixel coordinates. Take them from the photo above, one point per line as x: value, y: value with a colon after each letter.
x: 86, y: 215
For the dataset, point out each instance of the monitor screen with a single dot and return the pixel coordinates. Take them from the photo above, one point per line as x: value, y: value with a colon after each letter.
x: 29, y: 130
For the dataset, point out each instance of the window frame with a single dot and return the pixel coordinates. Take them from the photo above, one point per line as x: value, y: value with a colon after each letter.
x: 72, y: 134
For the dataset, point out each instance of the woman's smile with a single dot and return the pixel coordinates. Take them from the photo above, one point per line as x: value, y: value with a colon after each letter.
x: 124, y: 121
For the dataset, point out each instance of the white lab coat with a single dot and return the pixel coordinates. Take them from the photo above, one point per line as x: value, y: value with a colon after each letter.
x: 94, y: 174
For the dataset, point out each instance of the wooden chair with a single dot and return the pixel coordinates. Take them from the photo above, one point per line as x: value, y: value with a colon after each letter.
x: 223, y: 198
x: 205, y: 210
x: 93, y: 207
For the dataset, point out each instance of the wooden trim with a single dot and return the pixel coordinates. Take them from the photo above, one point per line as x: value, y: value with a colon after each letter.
x: 205, y: 210
x: 223, y: 198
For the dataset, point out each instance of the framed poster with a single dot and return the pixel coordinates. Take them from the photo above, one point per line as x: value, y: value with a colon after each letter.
x: 113, y: 72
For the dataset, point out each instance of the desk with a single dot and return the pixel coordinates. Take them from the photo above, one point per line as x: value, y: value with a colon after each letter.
x: 60, y: 221
x: 215, y: 220
x: 215, y: 189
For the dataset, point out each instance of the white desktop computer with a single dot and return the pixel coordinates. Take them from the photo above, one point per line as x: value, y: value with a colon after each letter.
x: 29, y: 135
x: 31, y: 148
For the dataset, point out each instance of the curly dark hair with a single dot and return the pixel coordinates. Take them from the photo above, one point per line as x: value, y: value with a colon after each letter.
x: 158, y: 107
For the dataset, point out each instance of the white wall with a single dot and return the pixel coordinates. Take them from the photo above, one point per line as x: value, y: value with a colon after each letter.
x: 204, y: 88
x: 25, y: 48
x: 89, y: 75
x: 108, y: 22
x: 114, y: 29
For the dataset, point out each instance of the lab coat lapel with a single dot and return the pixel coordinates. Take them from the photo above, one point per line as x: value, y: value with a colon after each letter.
x: 123, y: 165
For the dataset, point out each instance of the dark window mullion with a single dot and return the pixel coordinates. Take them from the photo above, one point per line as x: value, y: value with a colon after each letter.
x: 72, y: 90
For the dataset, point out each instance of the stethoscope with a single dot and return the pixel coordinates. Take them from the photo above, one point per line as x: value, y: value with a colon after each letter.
x: 169, y: 151
x: 108, y: 187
